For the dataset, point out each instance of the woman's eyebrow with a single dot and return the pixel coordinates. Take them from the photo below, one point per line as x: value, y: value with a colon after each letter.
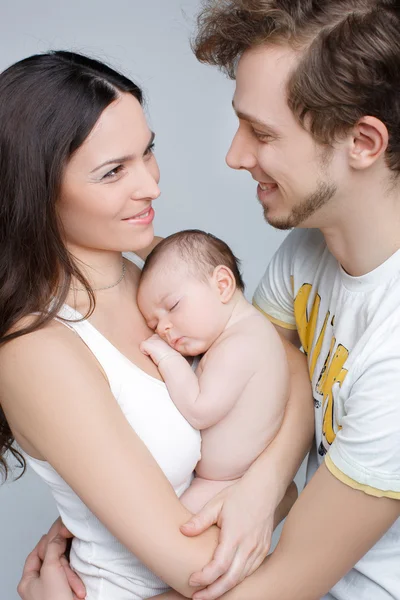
x: 127, y: 157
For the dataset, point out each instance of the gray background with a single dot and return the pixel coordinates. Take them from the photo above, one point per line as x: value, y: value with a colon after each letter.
x: 189, y: 107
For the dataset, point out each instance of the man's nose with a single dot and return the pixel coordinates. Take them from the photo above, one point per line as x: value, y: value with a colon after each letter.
x: 241, y: 154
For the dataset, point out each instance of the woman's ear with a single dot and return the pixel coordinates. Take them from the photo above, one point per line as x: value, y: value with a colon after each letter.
x: 370, y: 140
x: 225, y: 282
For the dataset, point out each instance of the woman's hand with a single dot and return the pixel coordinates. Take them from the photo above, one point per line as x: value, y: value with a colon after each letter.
x: 47, y: 574
x: 247, y: 520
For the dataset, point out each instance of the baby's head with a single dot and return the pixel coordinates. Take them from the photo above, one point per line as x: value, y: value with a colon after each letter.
x: 188, y: 288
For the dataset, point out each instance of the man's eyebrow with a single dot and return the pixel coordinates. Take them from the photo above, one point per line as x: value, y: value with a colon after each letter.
x: 122, y: 159
x: 251, y: 119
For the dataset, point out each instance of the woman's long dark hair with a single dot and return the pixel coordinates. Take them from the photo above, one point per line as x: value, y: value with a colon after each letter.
x: 49, y: 103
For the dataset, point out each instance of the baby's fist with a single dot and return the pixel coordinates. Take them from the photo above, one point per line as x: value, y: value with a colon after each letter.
x: 156, y: 348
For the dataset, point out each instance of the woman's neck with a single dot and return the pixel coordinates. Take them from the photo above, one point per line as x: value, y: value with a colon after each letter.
x: 102, y: 269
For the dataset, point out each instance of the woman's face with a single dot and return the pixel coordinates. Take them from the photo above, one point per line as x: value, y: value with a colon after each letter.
x: 110, y: 182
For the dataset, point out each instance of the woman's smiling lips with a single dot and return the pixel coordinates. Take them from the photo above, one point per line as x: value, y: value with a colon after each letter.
x: 143, y: 218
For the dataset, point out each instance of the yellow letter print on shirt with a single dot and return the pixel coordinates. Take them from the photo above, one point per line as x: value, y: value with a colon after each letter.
x: 332, y: 371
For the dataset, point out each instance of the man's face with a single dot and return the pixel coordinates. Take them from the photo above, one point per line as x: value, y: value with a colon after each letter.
x: 297, y: 177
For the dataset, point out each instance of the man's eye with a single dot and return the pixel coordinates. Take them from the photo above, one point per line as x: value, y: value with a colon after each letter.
x: 262, y: 137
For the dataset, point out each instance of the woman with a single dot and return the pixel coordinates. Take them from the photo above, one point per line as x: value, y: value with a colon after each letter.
x: 78, y: 178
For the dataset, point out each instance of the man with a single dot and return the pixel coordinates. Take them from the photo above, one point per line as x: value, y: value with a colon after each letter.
x: 318, y: 101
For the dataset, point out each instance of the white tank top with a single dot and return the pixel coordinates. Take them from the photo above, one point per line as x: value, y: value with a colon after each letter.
x: 108, y: 570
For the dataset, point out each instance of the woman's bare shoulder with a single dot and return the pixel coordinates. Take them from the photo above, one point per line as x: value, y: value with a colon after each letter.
x: 36, y: 347
x: 144, y: 252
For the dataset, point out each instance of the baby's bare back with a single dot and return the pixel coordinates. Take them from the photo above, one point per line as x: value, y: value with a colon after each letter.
x: 230, y: 446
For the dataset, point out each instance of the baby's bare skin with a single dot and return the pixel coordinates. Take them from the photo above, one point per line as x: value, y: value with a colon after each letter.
x: 238, y: 393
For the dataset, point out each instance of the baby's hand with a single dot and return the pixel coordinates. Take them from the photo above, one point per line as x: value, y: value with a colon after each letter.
x: 157, y: 349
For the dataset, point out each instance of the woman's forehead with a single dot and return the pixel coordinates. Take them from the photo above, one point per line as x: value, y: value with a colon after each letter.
x: 121, y: 130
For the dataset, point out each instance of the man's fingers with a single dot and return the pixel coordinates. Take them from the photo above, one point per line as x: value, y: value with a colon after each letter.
x: 32, y: 565
x: 74, y: 581
x: 55, y: 551
x: 220, y: 564
x: 42, y: 547
x: 204, y: 519
x: 226, y: 582
x: 31, y: 571
x: 58, y: 528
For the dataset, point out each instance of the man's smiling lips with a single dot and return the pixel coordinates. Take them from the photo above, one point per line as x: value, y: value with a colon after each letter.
x: 267, y: 187
x: 264, y: 190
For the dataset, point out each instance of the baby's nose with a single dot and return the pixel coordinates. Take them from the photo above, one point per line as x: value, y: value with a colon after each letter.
x: 163, y: 327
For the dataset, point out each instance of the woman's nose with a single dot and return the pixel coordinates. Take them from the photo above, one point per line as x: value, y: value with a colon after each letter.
x: 146, y: 185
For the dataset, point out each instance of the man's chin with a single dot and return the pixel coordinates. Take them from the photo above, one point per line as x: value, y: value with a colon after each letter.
x: 279, y: 223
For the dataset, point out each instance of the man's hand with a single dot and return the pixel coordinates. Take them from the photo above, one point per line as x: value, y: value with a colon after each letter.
x: 47, y: 574
x: 157, y: 349
x: 247, y: 524
x: 50, y: 578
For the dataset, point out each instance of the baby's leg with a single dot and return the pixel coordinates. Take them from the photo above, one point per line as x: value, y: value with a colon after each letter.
x: 201, y: 491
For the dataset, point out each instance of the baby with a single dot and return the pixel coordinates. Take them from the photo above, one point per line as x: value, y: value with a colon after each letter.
x: 191, y: 295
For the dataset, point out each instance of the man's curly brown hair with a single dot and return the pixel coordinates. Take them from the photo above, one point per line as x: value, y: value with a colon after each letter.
x: 349, y: 64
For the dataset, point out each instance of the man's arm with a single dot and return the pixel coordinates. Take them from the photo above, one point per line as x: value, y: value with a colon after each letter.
x: 329, y: 529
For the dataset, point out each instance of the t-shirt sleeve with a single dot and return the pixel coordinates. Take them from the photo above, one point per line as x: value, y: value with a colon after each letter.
x: 366, y: 451
x: 274, y: 293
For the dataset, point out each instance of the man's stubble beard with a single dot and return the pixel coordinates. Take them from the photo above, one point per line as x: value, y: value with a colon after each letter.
x: 322, y: 195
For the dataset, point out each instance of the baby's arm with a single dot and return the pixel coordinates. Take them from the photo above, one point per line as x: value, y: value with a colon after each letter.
x: 204, y: 401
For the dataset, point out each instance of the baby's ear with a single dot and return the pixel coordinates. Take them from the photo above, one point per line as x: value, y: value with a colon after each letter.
x: 225, y: 282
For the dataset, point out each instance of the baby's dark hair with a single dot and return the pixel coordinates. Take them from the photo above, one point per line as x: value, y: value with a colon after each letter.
x: 202, y: 251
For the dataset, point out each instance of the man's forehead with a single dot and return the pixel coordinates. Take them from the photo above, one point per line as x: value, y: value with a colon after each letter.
x: 261, y: 82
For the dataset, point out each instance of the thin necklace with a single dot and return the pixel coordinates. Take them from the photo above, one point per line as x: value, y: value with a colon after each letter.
x: 106, y: 287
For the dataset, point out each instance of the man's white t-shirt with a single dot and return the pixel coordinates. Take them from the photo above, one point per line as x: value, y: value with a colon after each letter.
x: 349, y: 328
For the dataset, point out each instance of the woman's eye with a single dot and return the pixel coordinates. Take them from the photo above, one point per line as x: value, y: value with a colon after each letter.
x: 150, y: 150
x: 113, y: 173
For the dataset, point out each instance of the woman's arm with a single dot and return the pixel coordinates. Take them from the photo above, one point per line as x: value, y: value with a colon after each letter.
x: 327, y: 532
x: 56, y: 397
